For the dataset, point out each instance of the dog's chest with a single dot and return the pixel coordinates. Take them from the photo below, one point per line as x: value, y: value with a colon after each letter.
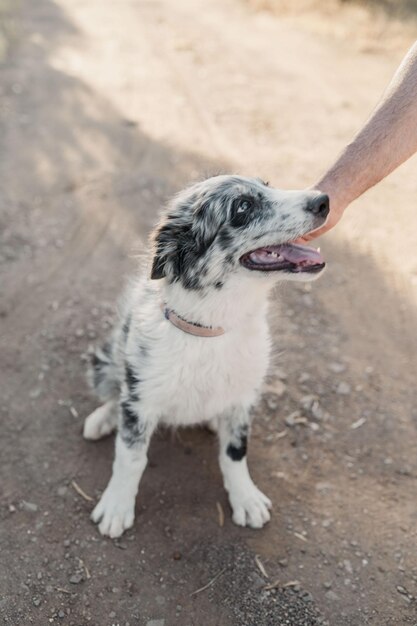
x: 198, y: 378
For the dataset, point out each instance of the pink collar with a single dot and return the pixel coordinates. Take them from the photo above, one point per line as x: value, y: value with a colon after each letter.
x: 190, y: 327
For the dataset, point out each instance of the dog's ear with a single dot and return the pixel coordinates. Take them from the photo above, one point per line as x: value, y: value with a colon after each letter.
x: 182, y: 237
x: 158, y: 270
x: 169, y: 239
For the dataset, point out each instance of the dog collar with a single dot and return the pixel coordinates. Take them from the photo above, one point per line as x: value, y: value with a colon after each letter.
x: 190, y: 327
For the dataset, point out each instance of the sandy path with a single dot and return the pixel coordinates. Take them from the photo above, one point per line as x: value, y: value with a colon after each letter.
x: 106, y: 109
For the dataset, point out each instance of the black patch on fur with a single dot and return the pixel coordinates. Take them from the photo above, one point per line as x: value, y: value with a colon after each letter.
x: 219, y: 284
x: 236, y: 453
x: 132, y: 382
x: 225, y: 239
x: 132, y: 428
x: 100, y: 365
x: 191, y: 282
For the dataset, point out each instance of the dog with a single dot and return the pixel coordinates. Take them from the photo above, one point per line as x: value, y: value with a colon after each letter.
x: 192, y: 343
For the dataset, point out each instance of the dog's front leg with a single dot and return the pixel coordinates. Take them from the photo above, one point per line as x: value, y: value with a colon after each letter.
x: 116, y: 510
x: 249, y: 505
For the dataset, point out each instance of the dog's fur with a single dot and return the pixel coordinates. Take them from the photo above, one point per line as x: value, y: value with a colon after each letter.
x: 151, y: 372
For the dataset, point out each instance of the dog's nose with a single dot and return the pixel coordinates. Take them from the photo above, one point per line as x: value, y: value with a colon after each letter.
x: 319, y: 205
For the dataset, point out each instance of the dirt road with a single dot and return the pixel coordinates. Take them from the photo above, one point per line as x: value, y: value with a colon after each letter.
x: 106, y: 109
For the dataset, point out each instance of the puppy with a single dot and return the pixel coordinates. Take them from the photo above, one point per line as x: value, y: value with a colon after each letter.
x: 192, y: 343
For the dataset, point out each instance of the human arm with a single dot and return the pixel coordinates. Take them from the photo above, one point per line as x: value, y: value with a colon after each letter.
x: 388, y: 138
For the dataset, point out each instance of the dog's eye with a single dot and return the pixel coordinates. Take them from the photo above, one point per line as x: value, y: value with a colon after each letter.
x: 244, y: 206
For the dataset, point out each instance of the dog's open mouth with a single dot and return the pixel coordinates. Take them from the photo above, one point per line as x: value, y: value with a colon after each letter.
x: 289, y: 257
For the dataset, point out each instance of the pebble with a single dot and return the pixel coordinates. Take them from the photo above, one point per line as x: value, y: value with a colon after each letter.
x: 29, y: 506
x: 156, y: 622
x: 75, y: 579
x: 307, y: 596
x: 343, y: 388
x: 36, y: 601
x: 332, y: 596
x: 61, y: 614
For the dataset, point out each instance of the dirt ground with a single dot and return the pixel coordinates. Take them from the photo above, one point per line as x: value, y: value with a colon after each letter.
x: 106, y: 109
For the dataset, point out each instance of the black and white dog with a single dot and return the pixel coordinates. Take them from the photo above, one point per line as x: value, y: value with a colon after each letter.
x: 192, y: 344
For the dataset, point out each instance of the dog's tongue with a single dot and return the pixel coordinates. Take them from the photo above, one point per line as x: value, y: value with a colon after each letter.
x: 295, y: 253
x: 289, y: 252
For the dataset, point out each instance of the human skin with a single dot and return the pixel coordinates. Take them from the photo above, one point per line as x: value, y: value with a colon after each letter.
x: 388, y: 138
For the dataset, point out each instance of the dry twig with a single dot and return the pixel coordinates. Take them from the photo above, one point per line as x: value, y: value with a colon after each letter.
x: 81, y: 492
x: 212, y: 581
x: 261, y: 566
x: 221, y: 514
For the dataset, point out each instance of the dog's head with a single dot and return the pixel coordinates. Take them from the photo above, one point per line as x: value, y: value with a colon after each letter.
x: 231, y: 224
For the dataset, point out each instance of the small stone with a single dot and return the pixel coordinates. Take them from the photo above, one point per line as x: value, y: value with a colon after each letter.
x: 79, y: 332
x: 156, y: 622
x: 75, y: 579
x: 283, y: 562
x: 343, y: 388
x: 112, y: 614
x: 402, y: 590
x: 332, y: 596
x: 177, y: 556
x: 36, y: 601
x: 307, y: 596
x: 327, y: 585
x: 62, y: 490
x: 29, y: 506
x: 61, y: 614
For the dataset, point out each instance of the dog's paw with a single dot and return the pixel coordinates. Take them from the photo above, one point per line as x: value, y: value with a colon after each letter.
x: 114, y: 514
x: 250, y: 508
x: 100, y: 422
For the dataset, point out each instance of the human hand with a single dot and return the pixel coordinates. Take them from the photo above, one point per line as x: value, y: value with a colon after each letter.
x: 335, y: 214
x: 332, y: 219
